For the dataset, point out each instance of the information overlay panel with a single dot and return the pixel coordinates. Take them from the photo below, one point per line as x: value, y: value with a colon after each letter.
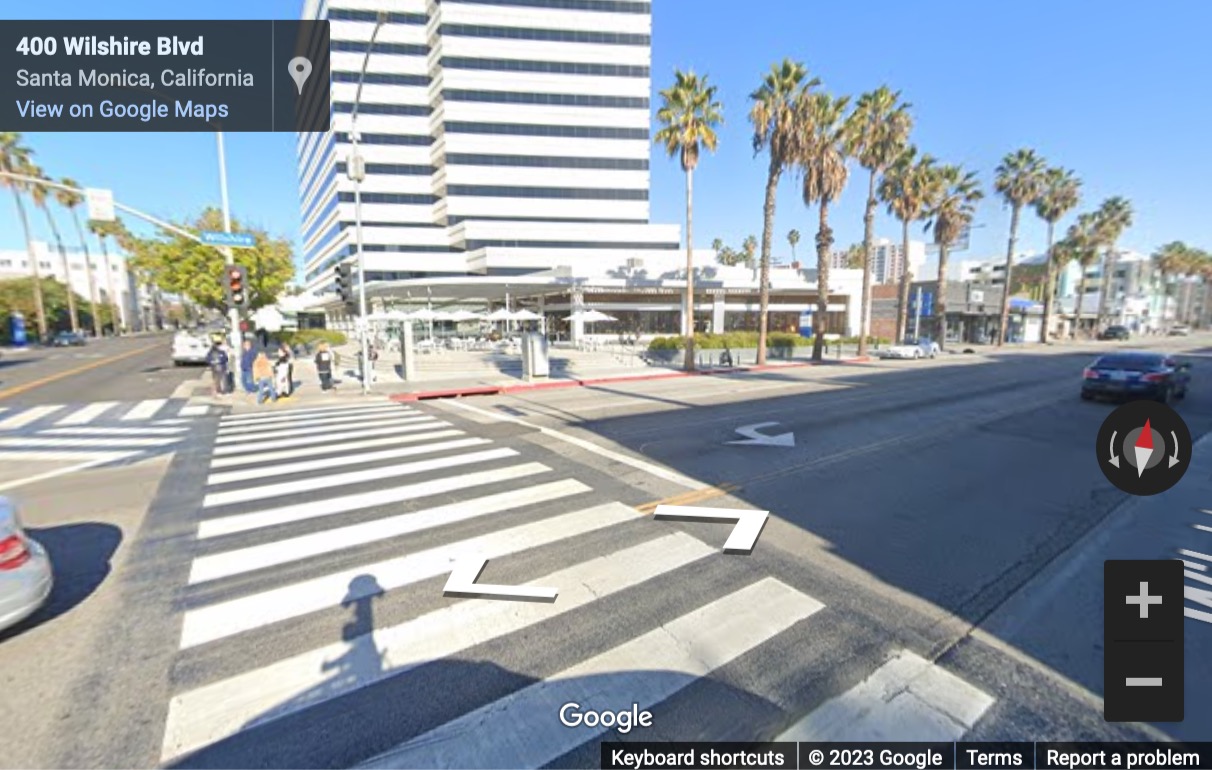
x: 906, y: 756
x: 96, y: 76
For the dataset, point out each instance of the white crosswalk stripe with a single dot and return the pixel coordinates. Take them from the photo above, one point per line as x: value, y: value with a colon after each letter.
x: 87, y: 414
x: 303, y: 519
x: 41, y: 417
x: 27, y: 416
x: 145, y: 410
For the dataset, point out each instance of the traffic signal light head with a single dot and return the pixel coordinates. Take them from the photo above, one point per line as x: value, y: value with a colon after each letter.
x: 236, y: 282
x: 345, y: 282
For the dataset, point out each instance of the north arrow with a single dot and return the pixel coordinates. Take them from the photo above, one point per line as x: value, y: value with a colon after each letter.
x: 744, y: 535
x: 462, y: 582
x: 761, y: 439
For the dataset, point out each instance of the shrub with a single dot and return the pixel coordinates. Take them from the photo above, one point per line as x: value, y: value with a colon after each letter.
x: 310, y: 336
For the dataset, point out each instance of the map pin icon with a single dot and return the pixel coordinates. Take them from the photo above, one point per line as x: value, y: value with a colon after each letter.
x: 300, y: 68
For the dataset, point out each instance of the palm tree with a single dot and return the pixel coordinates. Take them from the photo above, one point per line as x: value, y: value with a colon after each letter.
x: 793, y: 237
x: 1020, y: 181
x: 775, y: 130
x: 950, y: 209
x: 104, y: 230
x: 907, y: 188
x: 717, y: 245
x: 689, y: 116
x: 1060, y: 195
x: 41, y: 195
x: 1081, y: 243
x: 1114, y: 216
x: 749, y: 248
x: 14, y: 158
x: 70, y: 199
x: 877, y: 132
x: 1169, y: 260
x: 822, y: 160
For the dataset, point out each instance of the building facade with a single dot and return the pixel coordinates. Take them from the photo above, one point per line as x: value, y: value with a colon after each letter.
x: 109, y: 275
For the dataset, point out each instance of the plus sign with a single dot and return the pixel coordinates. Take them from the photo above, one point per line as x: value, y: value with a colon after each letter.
x: 1144, y: 600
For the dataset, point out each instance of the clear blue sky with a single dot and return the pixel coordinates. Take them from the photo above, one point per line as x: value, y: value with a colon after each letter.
x: 1116, y: 92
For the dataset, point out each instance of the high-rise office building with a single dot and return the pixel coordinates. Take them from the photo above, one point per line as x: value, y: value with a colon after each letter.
x: 500, y: 137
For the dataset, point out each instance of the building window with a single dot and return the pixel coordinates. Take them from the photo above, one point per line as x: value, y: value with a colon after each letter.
x: 500, y: 191
x: 392, y: 168
x: 609, y: 6
x: 585, y: 220
x: 565, y: 100
x: 345, y: 14
x: 472, y: 245
x: 614, y: 164
x: 406, y: 249
x: 383, y: 109
x: 522, y: 129
x: 360, y: 46
x: 426, y: 225
x: 387, y: 139
x: 6, y: 263
x: 558, y: 68
x: 382, y: 78
x: 377, y: 197
x: 549, y: 35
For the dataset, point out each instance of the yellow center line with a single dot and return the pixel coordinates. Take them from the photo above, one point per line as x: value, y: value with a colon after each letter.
x: 693, y: 496
x: 18, y: 389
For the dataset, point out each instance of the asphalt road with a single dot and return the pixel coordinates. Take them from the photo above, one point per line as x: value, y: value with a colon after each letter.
x: 281, y: 604
x: 113, y: 369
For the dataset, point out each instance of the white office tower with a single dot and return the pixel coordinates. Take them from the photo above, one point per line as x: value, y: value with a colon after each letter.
x: 501, y: 137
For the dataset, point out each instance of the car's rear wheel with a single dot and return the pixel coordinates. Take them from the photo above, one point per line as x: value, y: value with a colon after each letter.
x: 1163, y: 397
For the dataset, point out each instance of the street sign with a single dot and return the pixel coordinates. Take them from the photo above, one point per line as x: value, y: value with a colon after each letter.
x: 100, y: 204
x: 239, y: 240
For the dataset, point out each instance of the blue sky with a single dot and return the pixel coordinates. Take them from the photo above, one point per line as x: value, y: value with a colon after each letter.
x: 1114, y: 91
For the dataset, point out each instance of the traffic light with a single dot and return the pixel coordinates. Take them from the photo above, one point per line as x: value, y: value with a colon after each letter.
x: 345, y: 282
x: 236, y: 284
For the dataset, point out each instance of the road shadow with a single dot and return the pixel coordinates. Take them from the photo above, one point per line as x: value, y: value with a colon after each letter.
x: 80, y: 557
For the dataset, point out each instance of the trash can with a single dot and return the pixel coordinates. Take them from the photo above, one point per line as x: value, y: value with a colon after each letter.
x: 534, y: 356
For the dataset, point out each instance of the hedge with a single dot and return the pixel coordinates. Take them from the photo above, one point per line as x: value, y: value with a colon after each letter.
x: 743, y: 340
x: 309, y: 336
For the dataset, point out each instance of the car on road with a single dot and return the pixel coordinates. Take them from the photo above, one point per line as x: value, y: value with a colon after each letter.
x: 189, y: 349
x: 923, y: 348
x: 1180, y: 330
x: 69, y: 339
x: 1136, y: 375
x: 1115, y: 333
x: 26, y: 577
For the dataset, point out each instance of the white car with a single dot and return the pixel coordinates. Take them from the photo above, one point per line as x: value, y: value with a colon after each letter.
x: 1180, y: 330
x: 921, y: 349
x: 26, y: 577
x: 189, y: 349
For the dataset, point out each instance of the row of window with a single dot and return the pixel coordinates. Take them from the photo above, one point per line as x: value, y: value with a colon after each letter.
x: 550, y: 67
x: 455, y: 220
x: 472, y: 245
x: 522, y: 129
x: 528, y: 161
x: 563, y: 100
x: 377, y: 197
x: 549, y: 35
x: 409, y: 249
x: 395, y: 17
x: 396, y: 169
x: 609, y: 6
x: 418, y: 141
x: 383, y: 109
x: 382, y: 78
x: 429, y: 225
x: 501, y: 191
x: 360, y: 46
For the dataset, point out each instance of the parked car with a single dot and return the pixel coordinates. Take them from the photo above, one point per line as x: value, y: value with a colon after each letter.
x: 69, y: 339
x: 189, y: 349
x: 1115, y: 333
x: 1136, y: 375
x: 25, y: 569
x: 1180, y: 330
x: 923, y: 348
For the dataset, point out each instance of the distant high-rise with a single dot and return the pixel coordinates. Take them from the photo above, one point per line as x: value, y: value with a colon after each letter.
x: 501, y: 137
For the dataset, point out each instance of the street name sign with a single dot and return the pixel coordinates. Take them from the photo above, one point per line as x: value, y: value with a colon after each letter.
x: 239, y: 240
x: 100, y: 204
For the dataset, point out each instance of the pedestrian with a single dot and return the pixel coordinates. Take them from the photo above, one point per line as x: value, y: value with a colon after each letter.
x: 247, y: 356
x: 217, y: 360
x: 324, y: 361
x: 284, y: 370
x: 263, y: 375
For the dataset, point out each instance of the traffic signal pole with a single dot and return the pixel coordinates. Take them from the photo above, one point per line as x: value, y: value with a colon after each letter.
x: 233, y: 313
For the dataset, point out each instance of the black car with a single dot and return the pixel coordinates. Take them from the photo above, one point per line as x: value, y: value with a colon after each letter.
x: 1115, y: 333
x: 68, y: 339
x: 1132, y: 375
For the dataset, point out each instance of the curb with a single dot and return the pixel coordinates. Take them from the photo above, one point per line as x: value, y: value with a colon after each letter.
x: 494, y: 390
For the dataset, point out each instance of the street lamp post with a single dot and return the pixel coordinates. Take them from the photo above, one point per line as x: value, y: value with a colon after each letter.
x: 233, y: 313
x: 356, y: 170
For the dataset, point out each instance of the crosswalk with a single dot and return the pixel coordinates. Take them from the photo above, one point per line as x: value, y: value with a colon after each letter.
x: 324, y: 538
x: 96, y: 432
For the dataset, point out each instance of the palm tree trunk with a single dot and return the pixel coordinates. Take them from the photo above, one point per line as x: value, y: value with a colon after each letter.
x: 772, y: 186
x: 1077, y: 306
x: 940, y: 299
x: 689, y: 365
x: 868, y: 237
x: 1105, y: 291
x: 67, y: 270
x: 824, y: 240
x: 1049, y: 287
x: 115, y: 309
x: 1004, y: 325
x: 39, y: 307
x: 92, y: 279
x: 902, y: 299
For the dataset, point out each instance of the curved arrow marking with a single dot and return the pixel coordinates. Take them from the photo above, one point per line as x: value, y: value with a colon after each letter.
x: 1174, y: 458
x: 744, y: 535
x: 755, y: 438
x: 1114, y: 457
x: 462, y: 583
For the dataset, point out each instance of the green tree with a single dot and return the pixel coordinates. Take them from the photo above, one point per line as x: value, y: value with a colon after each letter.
x: 877, y: 132
x: 749, y: 251
x: 907, y: 189
x: 42, y: 196
x: 1060, y: 195
x: 16, y: 295
x: 793, y: 237
x: 775, y: 130
x: 1081, y: 244
x: 689, y: 115
x: 15, y: 159
x: 104, y: 231
x: 822, y: 161
x: 1020, y: 181
x: 1113, y: 217
x: 71, y: 200
x: 854, y: 257
x: 950, y: 211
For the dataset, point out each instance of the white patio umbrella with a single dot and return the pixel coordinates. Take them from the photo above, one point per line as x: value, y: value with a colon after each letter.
x: 500, y: 314
x: 590, y: 316
x: 463, y: 315
x: 526, y: 315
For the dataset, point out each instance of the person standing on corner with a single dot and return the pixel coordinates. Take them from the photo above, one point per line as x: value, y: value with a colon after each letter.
x: 263, y: 375
x: 284, y: 370
x: 247, y: 357
x: 217, y: 360
x: 324, y: 361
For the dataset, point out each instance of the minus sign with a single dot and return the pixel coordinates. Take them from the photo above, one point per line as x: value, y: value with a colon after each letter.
x: 1144, y: 681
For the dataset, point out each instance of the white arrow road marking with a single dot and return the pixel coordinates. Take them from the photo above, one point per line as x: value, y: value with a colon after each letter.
x: 1174, y: 457
x: 463, y: 583
x: 1114, y: 457
x: 755, y: 438
x: 744, y: 535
